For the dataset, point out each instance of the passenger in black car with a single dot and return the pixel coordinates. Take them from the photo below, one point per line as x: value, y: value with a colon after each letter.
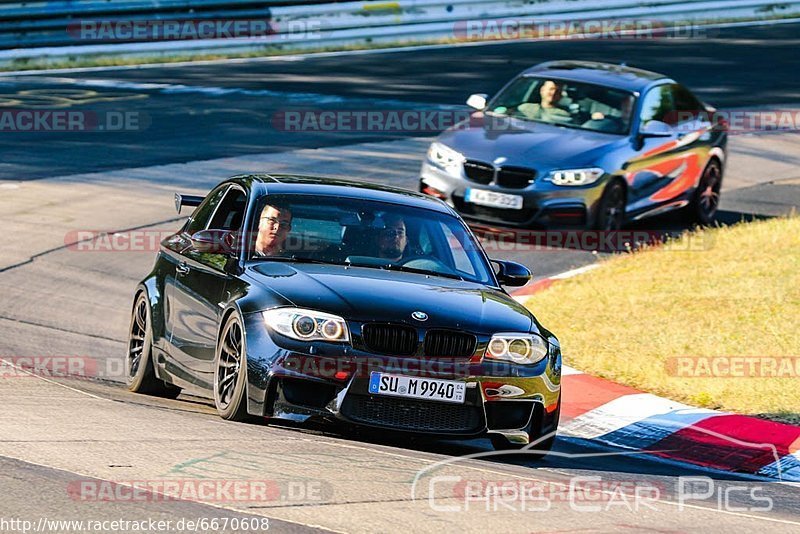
x: 392, y: 239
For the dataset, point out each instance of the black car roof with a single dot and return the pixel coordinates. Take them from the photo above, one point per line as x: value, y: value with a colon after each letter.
x: 607, y: 74
x: 299, y: 184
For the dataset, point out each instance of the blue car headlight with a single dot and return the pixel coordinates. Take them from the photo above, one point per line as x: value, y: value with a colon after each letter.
x: 307, y: 325
x: 517, y: 348
x: 575, y: 177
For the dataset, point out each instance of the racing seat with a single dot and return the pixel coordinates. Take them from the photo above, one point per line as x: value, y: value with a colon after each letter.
x: 358, y: 241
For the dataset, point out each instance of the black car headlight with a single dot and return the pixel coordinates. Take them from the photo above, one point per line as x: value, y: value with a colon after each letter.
x: 517, y: 348
x: 575, y: 177
x: 307, y: 325
x: 445, y: 158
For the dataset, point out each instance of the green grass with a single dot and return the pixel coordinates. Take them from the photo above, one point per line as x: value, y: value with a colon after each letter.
x: 730, y: 291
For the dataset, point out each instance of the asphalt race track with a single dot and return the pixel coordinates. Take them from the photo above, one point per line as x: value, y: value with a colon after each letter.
x: 190, y: 119
x: 204, y: 122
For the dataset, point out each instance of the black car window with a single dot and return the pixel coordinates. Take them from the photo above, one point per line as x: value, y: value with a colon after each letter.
x: 460, y: 258
x: 424, y: 241
x: 230, y: 212
x: 658, y: 106
x: 373, y: 234
x: 203, y: 212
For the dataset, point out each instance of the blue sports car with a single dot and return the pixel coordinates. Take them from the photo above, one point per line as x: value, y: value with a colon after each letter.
x: 580, y: 144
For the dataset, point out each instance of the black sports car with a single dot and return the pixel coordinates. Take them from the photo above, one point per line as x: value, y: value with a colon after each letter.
x: 295, y: 297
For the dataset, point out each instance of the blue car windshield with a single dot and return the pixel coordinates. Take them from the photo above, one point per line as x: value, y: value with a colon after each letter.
x: 566, y: 103
x: 365, y: 233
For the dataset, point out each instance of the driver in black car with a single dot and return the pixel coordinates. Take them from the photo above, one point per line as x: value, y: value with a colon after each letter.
x: 392, y: 239
x: 273, y: 227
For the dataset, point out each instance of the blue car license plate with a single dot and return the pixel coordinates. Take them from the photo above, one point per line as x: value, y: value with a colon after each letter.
x: 493, y: 199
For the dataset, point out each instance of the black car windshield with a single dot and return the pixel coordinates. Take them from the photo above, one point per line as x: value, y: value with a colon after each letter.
x: 364, y: 233
x: 566, y: 103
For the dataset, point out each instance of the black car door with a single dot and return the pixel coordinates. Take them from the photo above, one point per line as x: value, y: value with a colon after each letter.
x: 199, y: 293
x: 174, y: 254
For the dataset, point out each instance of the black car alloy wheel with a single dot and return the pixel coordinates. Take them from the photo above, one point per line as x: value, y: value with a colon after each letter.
x: 230, y: 374
x: 141, y: 377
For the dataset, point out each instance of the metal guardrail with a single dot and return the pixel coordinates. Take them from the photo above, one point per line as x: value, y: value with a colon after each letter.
x: 32, y: 30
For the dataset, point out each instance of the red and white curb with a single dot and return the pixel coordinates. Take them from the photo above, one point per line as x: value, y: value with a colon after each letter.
x: 612, y: 414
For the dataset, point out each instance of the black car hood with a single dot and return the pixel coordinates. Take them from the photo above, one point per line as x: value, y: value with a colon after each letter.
x: 527, y: 143
x: 364, y: 294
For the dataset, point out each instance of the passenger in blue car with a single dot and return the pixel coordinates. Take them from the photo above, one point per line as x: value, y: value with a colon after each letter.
x: 612, y: 122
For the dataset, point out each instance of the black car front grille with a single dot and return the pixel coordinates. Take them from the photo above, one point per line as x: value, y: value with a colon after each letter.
x: 391, y: 339
x: 515, y: 177
x: 449, y: 344
x: 479, y: 172
x: 409, y: 414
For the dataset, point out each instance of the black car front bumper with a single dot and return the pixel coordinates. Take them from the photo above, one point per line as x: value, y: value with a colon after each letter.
x: 519, y: 402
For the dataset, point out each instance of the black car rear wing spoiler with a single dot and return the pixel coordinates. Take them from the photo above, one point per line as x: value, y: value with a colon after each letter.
x: 186, y: 200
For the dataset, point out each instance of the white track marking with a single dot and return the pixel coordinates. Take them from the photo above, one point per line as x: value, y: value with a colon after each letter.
x: 628, y: 410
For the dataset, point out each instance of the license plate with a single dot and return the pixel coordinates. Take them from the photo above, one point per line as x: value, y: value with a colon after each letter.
x: 417, y: 388
x: 493, y: 199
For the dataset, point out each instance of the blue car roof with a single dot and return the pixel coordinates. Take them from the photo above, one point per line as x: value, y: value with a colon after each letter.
x: 606, y: 74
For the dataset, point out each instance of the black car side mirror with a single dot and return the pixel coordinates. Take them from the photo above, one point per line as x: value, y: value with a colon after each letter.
x: 512, y: 274
x: 214, y: 242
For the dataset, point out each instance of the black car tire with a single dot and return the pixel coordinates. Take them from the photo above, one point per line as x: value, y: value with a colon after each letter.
x: 141, y: 377
x: 703, y: 207
x: 230, y: 371
x: 611, y: 210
